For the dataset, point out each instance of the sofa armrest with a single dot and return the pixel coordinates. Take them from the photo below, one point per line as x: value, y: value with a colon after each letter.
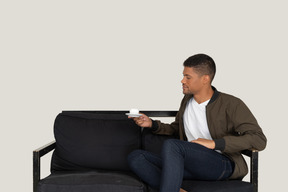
x: 37, y: 154
x: 250, y: 152
x: 254, y: 157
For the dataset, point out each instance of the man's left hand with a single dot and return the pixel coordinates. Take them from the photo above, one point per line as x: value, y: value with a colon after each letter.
x: 205, y: 142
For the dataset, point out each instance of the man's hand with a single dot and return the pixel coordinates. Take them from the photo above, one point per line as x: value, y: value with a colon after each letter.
x: 205, y: 142
x: 142, y: 121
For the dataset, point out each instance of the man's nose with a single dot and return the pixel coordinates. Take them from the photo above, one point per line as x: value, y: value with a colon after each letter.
x: 183, y: 81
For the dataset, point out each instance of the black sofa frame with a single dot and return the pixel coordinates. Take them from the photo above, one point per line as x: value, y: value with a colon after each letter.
x: 40, y: 152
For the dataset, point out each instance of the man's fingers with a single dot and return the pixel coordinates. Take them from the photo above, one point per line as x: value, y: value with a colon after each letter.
x: 139, y: 122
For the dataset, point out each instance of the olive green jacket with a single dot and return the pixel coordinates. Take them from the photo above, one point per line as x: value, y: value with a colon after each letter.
x: 231, y: 124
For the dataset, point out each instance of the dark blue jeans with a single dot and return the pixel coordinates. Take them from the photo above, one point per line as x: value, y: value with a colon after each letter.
x: 180, y: 160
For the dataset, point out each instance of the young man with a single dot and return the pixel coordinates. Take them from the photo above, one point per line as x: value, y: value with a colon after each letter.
x: 213, y: 128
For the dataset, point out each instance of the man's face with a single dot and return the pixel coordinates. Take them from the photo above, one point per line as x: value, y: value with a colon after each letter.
x: 192, y: 82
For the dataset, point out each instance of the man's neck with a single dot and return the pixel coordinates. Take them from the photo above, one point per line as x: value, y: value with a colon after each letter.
x: 204, y: 95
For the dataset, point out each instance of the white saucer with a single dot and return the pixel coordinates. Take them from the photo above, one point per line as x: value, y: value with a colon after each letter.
x: 133, y: 115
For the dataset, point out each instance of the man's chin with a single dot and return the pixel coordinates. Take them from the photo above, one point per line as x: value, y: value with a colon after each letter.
x: 187, y: 92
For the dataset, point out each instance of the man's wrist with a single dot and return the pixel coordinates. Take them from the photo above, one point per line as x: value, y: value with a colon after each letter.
x: 154, y: 125
x: 219, y: 144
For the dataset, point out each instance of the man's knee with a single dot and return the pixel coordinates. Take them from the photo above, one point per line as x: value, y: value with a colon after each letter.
x: 134, y: 155
x: 171, y: 145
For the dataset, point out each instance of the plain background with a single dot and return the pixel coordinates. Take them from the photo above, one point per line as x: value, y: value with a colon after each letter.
x: 92, y: 55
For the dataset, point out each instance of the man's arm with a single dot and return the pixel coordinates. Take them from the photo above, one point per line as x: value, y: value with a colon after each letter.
x: 248, y: 134
x: 210, y: 144
x: 157, y: 126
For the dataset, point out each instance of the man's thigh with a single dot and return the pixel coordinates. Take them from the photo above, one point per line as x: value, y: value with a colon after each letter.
x: 203, y: 163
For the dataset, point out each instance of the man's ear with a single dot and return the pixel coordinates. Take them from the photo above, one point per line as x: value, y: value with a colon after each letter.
x: 206, y: 79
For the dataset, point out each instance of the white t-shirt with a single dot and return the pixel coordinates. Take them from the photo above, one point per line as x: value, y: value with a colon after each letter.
x: 195, y: 121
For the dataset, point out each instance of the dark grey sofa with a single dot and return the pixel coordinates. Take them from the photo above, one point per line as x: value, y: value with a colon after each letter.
x: 91, y: 149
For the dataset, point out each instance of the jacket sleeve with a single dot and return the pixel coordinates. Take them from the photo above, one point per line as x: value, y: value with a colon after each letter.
x: 247, y: 134
x: 166, y: 129
x: 173, y: 128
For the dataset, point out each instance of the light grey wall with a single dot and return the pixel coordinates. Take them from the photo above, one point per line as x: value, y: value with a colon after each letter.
x: 91, y: 55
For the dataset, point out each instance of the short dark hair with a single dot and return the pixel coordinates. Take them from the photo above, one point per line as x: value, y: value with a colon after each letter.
x: 203, y: 65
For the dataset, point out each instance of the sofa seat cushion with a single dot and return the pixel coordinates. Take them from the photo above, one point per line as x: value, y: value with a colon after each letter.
x: 91, y: 182
x: 217, y: 186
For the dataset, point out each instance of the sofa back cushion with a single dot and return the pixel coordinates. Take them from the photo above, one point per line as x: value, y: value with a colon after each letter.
x: 86, y: 141
x: 152, y: 142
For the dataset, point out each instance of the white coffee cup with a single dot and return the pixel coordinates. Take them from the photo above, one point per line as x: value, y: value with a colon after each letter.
x: 134, y: 111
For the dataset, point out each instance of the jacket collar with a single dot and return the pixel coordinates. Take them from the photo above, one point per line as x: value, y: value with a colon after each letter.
x: 214, y: 96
